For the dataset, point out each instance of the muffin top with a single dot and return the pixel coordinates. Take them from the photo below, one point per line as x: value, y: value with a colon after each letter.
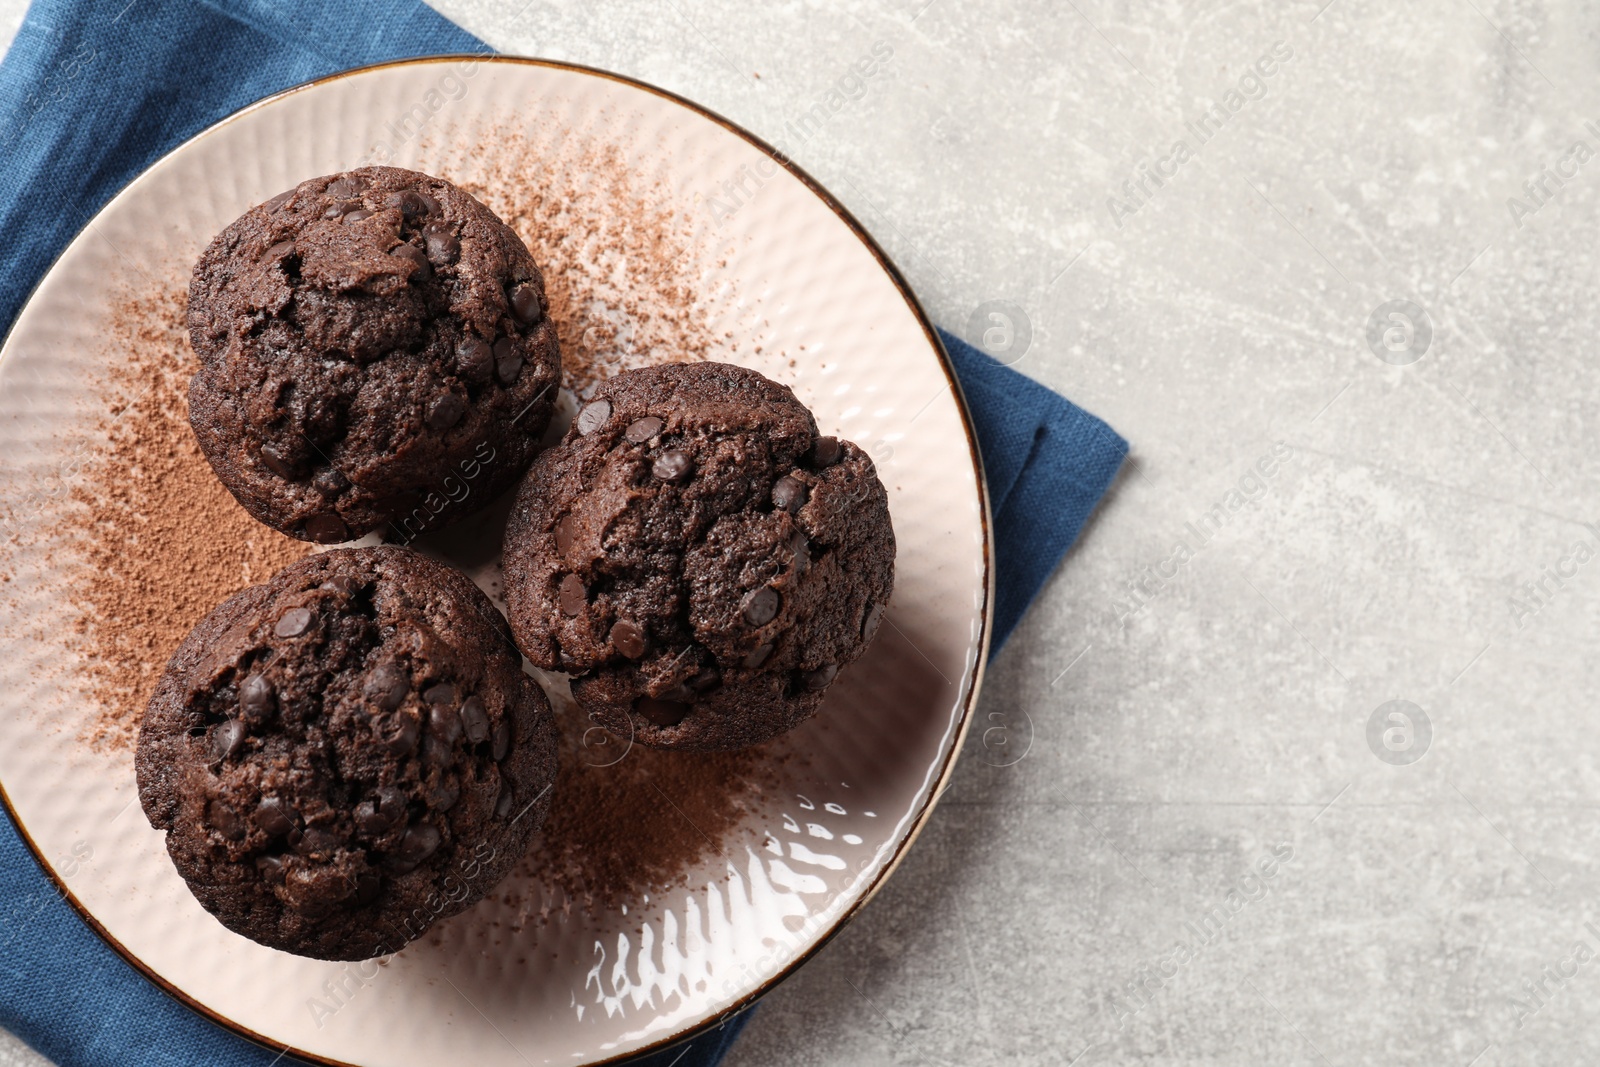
x: 334, y: 752
x: 699, y: 556
x: 373, y: 349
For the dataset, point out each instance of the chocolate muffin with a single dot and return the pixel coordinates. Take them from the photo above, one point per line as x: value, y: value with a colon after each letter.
x: 698, y: 557
x: 373, y: 349
x: 346, y: 754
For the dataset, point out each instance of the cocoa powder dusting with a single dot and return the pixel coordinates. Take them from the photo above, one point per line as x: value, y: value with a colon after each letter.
x: 622, y: 267
x: 159, y: 541
x: 639, y: 825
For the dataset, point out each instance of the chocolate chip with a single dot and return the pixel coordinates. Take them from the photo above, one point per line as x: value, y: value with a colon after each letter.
x: 271, y: 868
x: 819, y: 679
x: 272, y: 815
x: 319, y: 839
x: 661, y: 712
x: 416, y: 257
x: 411, y: 203
x: 327, y: 529
x: 502, y: 806
x: 368, y: 885
x: 399, y: 731
x: 799, y: 551
x: 278, y: 201
x: 593, y: 416
x: 574, y: 597
x: 502, y: 740
x: 789, y: 494
x: 641, y: 430
x: 334, y: 210
x: 707, y: 680
x: 564, y: 533
x: 387, y: 686
x: 278, y: 461
x: 228, y: 738
x: 436, y: 750
x: 221, y: 816
x: 525, y: 304
x: 342, y: 584
x: 679, y: 693
x: 760, y: 606
x: 256, y: 699
x: 293, y: 622
x: 869, y: 626
x: 346, y: 186
x: 442, y: 693
x: 444, y: 795
x: 507, y: 360
x: 474, y: 720
x: 368, y: 821
x: 445, y: 411
x: 444, y: 722
x: 329, y: 482
x: 355, y: 216
x: 826, y: 452
x: 376, y: 816
x: 758, y: 655
x: 672, y: 465
x: 421, y: 840
x: 391, y: 801
x: 628, y: 638
x: 444, y: 247
x: 280, y: 251
x: 475, y: 360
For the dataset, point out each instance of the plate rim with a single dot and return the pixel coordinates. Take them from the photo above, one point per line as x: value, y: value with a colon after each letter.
x: 919, y: 818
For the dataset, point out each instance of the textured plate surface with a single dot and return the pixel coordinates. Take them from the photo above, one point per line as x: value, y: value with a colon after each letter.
x: 784, y: 284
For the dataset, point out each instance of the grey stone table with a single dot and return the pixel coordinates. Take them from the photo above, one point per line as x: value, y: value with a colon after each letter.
x: 1292, y: 761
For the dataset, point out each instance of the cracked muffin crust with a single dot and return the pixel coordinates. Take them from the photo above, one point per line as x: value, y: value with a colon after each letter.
x: 347, y: 753
x: 698, y: 557
x: 373, y: 349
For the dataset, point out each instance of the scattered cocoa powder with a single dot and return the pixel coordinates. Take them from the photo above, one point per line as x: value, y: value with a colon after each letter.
x: 159, y: 542
x: 640, y: 824
x: 622, y: 266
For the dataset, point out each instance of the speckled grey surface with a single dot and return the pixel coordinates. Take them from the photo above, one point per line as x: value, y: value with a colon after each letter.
x: 1168, y: 720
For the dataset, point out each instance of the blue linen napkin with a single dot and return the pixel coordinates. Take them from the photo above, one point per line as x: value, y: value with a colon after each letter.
x: 1047, y: 461
x: 90, y: 95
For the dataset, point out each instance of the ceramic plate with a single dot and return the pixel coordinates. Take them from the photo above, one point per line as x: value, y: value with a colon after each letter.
x: 677, y: 230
